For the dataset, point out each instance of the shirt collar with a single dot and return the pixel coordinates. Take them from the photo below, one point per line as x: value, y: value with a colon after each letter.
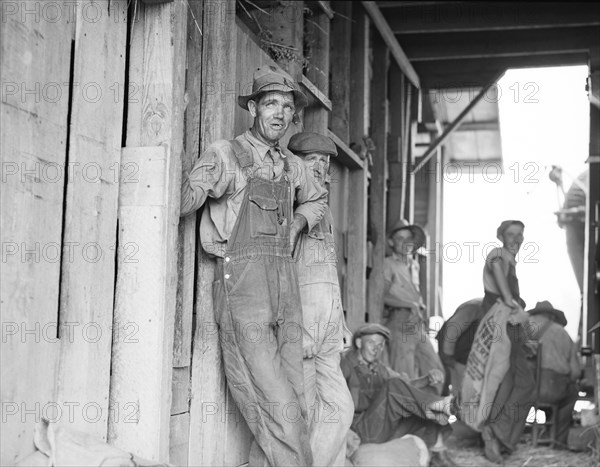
x: 261, y: 147
x: 400, y: 258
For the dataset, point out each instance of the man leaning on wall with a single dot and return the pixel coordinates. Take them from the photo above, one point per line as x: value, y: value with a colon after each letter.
x: 249, y: 186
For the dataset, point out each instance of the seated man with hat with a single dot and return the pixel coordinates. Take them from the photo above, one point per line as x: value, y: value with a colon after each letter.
x: 388, y: 406
x: 560, y: 363
x: 410, y: 350
x: 327, y: 396
x: 250, y: 186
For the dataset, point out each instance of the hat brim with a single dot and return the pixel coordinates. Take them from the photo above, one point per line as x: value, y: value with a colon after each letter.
x: 416, y: 231
x: 556, y: 315
x: 300, y: 99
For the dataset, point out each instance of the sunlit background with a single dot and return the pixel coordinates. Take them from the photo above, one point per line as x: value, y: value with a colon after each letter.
x: 544, y: 121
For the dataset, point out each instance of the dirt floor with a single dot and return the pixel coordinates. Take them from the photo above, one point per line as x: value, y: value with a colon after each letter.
x: 469, y: 452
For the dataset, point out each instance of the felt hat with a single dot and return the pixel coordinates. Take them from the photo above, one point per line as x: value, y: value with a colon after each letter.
x: 371, y: 328
x: 416, y: 230
x: 546, y: 308
x: 505, y: 225
x: 307, y: 142
x: 269, y: 78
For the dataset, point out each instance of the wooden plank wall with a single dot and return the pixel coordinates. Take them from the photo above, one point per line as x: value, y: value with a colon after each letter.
x: 34, y: 151
x: 87, y: 281
x: 149, y: 216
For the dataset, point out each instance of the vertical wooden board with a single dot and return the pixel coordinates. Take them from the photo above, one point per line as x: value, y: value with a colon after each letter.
x: 217, y: 438
x: 316, y: 41
x: 356, y: 279
x: 339, y: 55
x: 358, y: 127
x: 181, y: 391
x: 179, y: 439
x: 91, y: 216
x: 377, y: 198
x: 182, y: 343
x: 35, y: 75
x: 142, y: 350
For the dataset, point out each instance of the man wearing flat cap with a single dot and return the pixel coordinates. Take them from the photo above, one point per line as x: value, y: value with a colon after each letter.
x: 410, y: 350
x: 250, y: 185
x: 388, y: 405
x: 327, y: 394
x: 560, y: 365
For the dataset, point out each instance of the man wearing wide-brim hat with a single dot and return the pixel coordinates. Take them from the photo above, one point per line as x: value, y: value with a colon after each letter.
x: 410, y: 350
x: 389, y: 405
x: 249, y: 186
x: 560, y: 365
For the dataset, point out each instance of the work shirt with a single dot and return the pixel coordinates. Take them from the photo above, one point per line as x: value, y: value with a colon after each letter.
x: 218, y: 176
x: 401, y: 276
x: 559, y: 353
x: 364, y: 379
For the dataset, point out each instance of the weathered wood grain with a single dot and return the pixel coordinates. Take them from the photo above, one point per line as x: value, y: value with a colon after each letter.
x: 35, y: 75
x: 88, y: 276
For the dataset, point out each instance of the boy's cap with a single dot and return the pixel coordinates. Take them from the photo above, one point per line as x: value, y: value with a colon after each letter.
x: 307, y: 142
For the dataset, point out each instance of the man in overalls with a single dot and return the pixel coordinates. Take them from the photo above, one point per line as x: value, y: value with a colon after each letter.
x: 410, y: 350
x: 250, y: 227
x: 329, y: 401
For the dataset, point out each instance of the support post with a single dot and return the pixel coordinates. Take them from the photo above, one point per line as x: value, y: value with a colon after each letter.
x: 377, y: 192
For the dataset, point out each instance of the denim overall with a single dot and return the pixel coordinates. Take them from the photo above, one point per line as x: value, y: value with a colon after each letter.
x: 258, y: 309
x: 329, y: 401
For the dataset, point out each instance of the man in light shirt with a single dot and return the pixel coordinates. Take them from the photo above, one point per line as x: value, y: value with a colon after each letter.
x: 249, y: 186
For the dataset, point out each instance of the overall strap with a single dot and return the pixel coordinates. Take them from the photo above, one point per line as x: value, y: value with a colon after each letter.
x: 242, y: 154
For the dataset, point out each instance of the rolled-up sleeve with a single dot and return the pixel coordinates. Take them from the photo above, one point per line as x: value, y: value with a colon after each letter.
x: 311, y: 197
x: 207, y: 178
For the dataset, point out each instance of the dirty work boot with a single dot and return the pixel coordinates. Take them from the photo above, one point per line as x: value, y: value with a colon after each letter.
x: 441, y: 459
x: 492, y: 445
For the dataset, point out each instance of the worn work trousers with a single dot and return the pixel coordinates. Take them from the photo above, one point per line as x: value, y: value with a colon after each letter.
x: 398, y: 409
x: 261, y: 340
x: 328, y: 398
x: 410, y: 350
x: 515, y: 395
x: 559, y: 389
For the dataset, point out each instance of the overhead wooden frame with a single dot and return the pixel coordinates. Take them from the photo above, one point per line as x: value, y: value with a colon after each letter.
x: 392, y: 43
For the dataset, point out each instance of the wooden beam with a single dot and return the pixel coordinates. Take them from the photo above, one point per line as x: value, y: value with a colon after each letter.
x: 397, y: 98
x: 316, y: 44
x: 339, y: 56
x: 346, y: 156
x: 88, y: 280
x: 492, y: 125
x: 591, y: 282
x: 392, y: 43
x: 479, y: 16
x: 34, y: 148
x: 457, y: 121
x: 485, y: 44
x: 358, y: 117
x: 218, y: 432
x: 182, y: 343
x: 377, y: 191
x: 478, y: 72
x: 148, y: 218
